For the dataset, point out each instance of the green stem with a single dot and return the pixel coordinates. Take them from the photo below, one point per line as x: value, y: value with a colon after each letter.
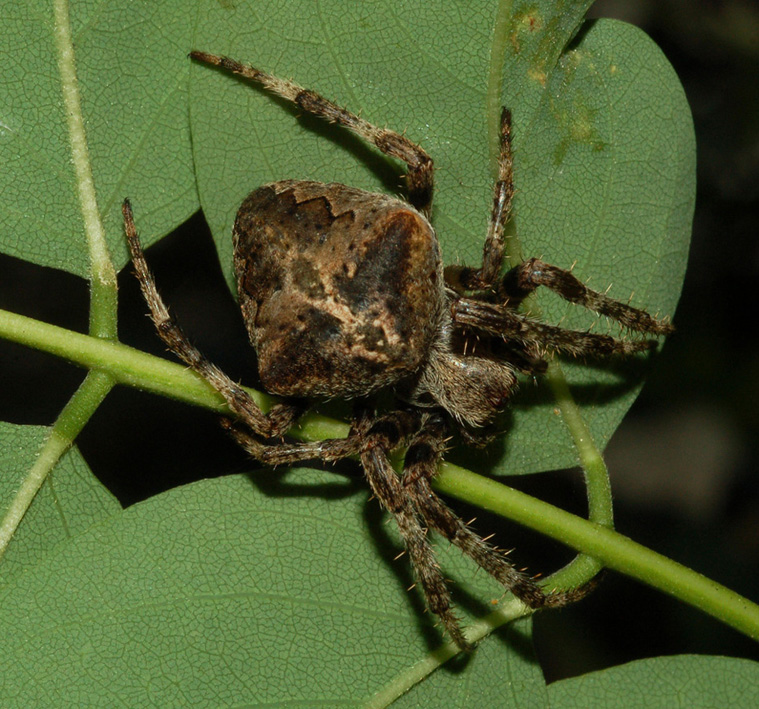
x: 600, y: 506
x: 414, y: 674
x: 103, y: 288
x: 154, y: 374
x: 599, y: 541
x: 125, y: 364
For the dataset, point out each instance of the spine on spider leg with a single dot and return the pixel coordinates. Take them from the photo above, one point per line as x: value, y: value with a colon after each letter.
x: 533, y: 273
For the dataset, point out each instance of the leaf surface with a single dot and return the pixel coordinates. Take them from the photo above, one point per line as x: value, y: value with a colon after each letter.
x: 223, y: 593
x: 70, y: 500
x: 227, y: 594
x: 131, y: 69
x: 692, y: 681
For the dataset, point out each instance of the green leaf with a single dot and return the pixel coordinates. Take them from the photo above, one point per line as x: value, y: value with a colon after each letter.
x: 608, y: 182
x: 223, y: 593
x: 693, y: 681
x: 604, y: 151
x: 70, y: 501
x: 132, y: 84
x: 428, y: 76
x: 502, y: 672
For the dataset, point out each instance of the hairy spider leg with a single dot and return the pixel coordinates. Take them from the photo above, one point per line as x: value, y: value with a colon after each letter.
x: 523, y: 279
x: 500, y: 320
x: 382, y: 438
x: 419, y: 180
x: 275, y: 453
x: 468, y: 278
x: 274, y: 423
x: 421, y: 465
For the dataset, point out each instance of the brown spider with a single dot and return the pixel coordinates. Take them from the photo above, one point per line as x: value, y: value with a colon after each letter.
x: 343, y: 293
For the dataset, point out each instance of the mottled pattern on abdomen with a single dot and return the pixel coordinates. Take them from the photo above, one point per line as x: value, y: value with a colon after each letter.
x: 341, y: 289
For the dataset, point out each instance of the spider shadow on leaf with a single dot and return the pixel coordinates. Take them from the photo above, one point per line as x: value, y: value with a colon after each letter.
x: 274, y: 482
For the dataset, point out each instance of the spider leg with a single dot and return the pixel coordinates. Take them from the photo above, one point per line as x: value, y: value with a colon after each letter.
x: 523, y: 279
x: 419, y: 180
x: 373, y: 440
x: 389, y: 490
x: 501, y: 321
x: 466, y: 278
x: 382, y: 437
x: 422, y: 460
x: 329, y: 450
x: 274, y: 423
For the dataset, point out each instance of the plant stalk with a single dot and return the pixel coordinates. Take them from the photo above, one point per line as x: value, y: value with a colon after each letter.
x: 134, y: 368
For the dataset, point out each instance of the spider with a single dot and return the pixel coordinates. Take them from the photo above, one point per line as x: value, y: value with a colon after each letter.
x: 344, y: 294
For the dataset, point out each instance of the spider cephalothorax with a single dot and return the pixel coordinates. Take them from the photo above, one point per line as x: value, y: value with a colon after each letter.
x: 344, y: 294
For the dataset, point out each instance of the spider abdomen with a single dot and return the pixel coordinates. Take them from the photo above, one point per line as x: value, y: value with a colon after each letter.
x: 341, y: 289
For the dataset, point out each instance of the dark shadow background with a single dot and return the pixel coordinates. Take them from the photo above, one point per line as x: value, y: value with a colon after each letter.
x: 684, y: 463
